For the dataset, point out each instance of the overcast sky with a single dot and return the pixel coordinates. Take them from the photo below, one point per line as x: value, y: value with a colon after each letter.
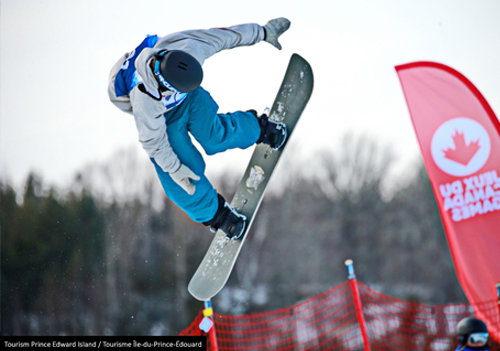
x: 56, y: 55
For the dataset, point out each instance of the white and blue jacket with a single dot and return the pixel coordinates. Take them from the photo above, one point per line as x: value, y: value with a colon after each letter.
x: 132, y: 70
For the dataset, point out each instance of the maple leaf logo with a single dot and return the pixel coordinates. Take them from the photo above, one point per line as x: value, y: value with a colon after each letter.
x: 462, y: 153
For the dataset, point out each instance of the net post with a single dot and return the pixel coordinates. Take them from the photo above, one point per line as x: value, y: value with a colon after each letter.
x: 208, y: 313
x: 357, y: 302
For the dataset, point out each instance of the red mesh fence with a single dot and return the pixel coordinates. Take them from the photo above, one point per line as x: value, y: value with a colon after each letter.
x: 193, y: 329
x: 329, y: 322
x: 400, y: 325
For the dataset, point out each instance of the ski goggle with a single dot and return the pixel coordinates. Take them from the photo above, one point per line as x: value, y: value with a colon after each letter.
x: 160, y: 77
x: 477, y: 339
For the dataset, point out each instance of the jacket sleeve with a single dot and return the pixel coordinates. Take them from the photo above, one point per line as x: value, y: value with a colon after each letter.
x: 150, y: 123
x: 204, y: 43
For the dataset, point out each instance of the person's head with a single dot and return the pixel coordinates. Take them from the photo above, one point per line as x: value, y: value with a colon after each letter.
x: 177, y: 71
x: 472, y: 333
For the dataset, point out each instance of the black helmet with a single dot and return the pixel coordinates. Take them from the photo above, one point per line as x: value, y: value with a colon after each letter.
x: 468, y: 326
x: 177, y: 71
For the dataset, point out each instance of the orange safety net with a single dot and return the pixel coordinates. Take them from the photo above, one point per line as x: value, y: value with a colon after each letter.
x: 329, y: 322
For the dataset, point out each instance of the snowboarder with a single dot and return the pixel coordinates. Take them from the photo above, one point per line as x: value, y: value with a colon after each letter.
x: 159, y: 84
x: 472, y: 335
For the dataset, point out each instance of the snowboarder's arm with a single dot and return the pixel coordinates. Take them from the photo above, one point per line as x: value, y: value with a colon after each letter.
x: 204, y: 43
x: 150, y: 122
x: 153, y: 137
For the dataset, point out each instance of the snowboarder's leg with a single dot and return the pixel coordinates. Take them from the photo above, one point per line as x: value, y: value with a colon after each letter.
x: 190, y: 117
x: 220, y: 132
x: 203, y: 204
x: 216, y: 133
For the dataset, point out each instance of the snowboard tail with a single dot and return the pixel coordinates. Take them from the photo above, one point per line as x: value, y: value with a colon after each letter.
x: 292, y: 97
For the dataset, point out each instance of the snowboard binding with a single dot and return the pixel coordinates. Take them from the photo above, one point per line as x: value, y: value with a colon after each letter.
x: 272, y: 133
x: 228, y: 220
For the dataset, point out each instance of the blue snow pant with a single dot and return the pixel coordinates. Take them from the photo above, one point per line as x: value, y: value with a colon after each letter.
x: 197, y: 114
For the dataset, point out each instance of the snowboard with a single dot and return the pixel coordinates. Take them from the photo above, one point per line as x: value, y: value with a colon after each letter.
x: 218, y: 262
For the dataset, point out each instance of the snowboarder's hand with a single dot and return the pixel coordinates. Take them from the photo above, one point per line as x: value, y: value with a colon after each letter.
x: 184, y: 176
x: 274, y: 28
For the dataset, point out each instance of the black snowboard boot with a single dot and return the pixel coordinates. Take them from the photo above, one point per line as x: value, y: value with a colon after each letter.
x: 272, y: 133
x: 228, y: 220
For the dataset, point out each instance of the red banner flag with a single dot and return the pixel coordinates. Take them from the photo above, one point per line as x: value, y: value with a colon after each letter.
x: 459, y: 136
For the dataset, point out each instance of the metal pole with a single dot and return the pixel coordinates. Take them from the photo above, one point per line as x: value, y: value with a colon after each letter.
x: 357, y: 303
